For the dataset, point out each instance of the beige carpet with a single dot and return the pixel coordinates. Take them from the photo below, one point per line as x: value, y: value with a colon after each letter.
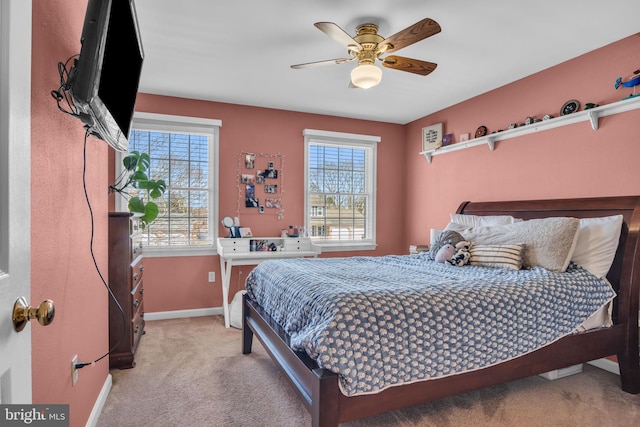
x: 191, y: 372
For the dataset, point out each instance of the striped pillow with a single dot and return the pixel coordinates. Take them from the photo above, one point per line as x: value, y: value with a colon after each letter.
x: 499, y: 256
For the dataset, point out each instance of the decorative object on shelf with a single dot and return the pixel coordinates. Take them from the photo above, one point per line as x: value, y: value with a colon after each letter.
x: 529, y: 120
x: 245, y: 232
x: 513, y: 125
x: 233, y: 225
x: 464, y: 137
x: 293, y: 231
x: 432, y: 137
x: 570, y: 107
x: 481, y: 131
x: 590, y: 105
x: 134, y: 175
x: 447, y: 139
x: 547, y: 117
x: 591, y: 116
x: 631, y: 81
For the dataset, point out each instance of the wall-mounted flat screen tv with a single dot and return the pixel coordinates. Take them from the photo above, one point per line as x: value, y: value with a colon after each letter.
x: 107, y: 72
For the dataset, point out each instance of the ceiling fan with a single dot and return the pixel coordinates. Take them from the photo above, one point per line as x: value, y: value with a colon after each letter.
x: 367, y: 46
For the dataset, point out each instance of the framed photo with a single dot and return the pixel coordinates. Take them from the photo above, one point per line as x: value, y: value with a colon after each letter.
x: 447, y: 139
x: 464, y: 137
x: 272, y: 203
x: 245, y: 232
x: 249, y: 160
x: 432, y: 137
x: 248, y: 179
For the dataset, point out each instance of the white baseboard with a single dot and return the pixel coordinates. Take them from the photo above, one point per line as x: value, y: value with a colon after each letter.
x: 607, y: 365
x: 100, y: 401
x: 179, y: 314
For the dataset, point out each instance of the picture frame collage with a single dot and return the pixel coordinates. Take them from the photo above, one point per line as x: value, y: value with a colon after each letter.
x: 260, y: 183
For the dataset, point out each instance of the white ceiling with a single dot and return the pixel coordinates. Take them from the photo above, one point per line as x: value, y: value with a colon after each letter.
x: 240, y: 51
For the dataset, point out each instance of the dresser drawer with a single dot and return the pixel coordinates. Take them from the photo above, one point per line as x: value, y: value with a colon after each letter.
x: 136, y: 297
x: 137, y: 328
x: 137, y: 268
x: 136, y: 246
x: 297, y: 244
x: 227, y: 245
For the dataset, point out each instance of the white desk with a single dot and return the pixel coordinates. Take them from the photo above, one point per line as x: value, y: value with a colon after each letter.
x: 237, y: 252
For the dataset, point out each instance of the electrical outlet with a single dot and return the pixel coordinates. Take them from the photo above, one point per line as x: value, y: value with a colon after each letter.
x: 74, y: 370
x: 212, y: 276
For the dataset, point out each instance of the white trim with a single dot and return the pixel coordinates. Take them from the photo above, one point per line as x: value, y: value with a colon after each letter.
x: 176, y: 120
x: 100, y: 402
x: 180, y: 314
x: 193, y: 125
x: 337, y: 247
x: 168, y: 252
x: 15, y: 194
x: 607, y: 365
x: 339, y: 135
x: 368, y: 142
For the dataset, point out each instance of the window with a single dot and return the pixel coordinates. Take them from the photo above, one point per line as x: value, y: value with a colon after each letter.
x: 183, y: 152
x: 340, y: 189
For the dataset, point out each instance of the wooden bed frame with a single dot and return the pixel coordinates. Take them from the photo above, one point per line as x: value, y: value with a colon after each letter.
x: 328, y: 406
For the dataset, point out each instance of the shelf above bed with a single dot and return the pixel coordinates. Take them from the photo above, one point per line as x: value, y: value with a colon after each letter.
x: 592, y: 115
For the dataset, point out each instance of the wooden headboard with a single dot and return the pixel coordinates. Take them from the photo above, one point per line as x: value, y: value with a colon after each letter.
x: 624, y: 274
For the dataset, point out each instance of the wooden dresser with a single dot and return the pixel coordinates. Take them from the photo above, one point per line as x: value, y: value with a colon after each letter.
x: 125, y: 282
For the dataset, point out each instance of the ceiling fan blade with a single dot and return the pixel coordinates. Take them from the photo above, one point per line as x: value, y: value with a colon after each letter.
x: 321, y: 63
x: 418, y: 31
x: 408, y: 64
x: 339, y: 35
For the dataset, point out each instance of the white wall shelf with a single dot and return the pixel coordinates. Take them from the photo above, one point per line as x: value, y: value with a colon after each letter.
x: 592, y: 115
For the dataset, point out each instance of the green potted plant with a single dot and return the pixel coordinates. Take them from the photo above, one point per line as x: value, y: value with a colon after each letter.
x: 134, y: 175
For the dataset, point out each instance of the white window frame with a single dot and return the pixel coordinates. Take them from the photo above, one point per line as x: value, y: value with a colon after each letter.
x: 177, y: 124
x: 368, y: 142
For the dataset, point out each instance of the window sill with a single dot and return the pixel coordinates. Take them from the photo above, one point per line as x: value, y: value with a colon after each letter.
x: 160, y: 252
x: 345, y: 247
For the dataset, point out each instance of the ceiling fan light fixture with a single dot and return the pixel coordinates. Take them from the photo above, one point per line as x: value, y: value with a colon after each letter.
x: 366, y: 76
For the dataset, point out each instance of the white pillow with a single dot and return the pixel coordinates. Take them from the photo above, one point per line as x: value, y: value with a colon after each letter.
x: 597, y: 243
x: 548, y: 242
x: 480, y: 220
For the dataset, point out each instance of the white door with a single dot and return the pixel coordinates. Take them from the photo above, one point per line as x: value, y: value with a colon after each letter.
x: 15, y: 178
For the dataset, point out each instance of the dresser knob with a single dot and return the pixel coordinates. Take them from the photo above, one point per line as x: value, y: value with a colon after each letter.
x: 136, y: 303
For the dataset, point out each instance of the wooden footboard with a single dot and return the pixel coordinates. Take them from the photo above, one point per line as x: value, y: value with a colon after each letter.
x: 319, y: 388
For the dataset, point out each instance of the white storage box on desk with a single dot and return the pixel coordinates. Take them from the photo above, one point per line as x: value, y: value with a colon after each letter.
x: 231, y: 245
x: 297, y: 244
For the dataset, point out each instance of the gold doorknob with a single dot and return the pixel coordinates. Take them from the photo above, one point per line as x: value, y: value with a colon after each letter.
x: 23, y: 312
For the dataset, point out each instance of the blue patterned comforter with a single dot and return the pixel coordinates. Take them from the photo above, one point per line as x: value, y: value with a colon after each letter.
x: 385, y: 321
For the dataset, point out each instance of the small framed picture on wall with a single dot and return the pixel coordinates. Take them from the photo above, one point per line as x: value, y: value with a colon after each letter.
x: 432, y: 137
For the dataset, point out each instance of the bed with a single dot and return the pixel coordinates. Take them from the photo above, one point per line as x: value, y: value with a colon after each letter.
x: 321, y: 389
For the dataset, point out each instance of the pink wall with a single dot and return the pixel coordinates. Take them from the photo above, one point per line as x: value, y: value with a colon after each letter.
x: 181, y: 283
x: 61, y: 266
x: 571, y: 161
x: 567, y: 162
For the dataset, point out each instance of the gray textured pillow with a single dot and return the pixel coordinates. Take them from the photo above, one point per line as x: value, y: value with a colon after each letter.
x: 548, y: 242
x: 445, y: 237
